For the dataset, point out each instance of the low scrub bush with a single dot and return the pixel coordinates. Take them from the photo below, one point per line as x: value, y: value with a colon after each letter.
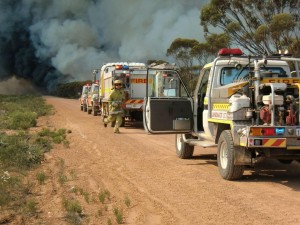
x: 19, y: 151
x: 16, y: 109
x: 22, y: 120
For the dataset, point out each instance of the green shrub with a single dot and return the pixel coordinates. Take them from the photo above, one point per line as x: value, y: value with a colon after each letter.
x: 22, y: 120
x: 14, y: 109
x: 127, y: 201
x: 10, y: 188
x: 56, y: 136
x: 30, y: 208
x: 41, y: 177
x: 17, y: 151
x: 103, y: 195
x: 118, y: 215
x: 72, y: 206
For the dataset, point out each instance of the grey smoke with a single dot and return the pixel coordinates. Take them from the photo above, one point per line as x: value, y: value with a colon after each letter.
x: 52, y: 41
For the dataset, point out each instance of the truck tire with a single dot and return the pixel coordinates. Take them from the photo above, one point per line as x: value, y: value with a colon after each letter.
x: 183, y: 150
x: 225, y: 158
x: 95, y: 111
x: 123, y: 122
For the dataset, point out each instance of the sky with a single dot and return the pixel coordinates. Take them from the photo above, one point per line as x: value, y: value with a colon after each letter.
x: 54, y: 41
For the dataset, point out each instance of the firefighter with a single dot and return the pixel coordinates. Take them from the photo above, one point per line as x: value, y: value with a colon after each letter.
x: 116, y: 101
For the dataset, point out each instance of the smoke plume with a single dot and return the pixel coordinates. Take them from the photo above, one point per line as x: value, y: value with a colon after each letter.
x: 53, y: 41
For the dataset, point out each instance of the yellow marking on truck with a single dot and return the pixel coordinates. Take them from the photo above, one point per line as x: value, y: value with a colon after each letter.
x: 234, y: 89
x: 220, y: 121
x: 286, y: 80
x: 220, y: 106
x: 140, y: 81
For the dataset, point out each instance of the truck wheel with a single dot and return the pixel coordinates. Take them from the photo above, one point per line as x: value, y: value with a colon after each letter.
x: 95, y: 111
x: 183, y: 150
x: 226, y: 166
x: 123, y: 122
x: 84, y: 108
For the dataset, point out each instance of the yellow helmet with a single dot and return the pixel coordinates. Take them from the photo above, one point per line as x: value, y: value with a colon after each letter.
x: 117, y: 82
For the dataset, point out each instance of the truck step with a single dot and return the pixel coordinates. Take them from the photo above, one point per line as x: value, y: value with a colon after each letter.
x: 204, y: 144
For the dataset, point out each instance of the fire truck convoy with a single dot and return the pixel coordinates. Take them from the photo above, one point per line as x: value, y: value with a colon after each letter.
x: 133, y: 77
x: 245, y: 106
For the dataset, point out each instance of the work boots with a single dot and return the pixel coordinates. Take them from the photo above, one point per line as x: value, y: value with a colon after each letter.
x: 116, y: 131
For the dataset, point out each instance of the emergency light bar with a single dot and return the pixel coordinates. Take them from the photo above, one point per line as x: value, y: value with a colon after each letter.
x: 122, y: 67
x: 230, y: 51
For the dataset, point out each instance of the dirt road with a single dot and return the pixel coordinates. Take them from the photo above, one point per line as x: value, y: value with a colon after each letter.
x: 162, y: 188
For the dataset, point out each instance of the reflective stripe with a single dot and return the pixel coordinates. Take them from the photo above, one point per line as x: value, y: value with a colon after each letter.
x: 274, y: 142
x: 116, y: 112
x: 134, y: 101
x: 269, y: 142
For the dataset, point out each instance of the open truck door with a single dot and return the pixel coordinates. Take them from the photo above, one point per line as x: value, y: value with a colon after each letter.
x: 167, y: 105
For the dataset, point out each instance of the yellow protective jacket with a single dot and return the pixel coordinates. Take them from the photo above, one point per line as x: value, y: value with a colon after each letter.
x: 115, y: 101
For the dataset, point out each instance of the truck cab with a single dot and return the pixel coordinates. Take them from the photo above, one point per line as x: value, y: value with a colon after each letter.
x: 245, y: 106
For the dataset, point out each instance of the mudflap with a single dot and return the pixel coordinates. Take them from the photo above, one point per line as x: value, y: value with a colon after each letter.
x: 242, y: 156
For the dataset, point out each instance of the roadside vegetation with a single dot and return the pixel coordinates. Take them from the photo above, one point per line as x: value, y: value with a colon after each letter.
x: 22, y: 149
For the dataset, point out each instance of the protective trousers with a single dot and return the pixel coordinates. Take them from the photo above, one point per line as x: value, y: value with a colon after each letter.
x: 114, y: 117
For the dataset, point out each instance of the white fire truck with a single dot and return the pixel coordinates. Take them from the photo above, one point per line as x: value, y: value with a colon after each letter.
x: 133, y: 77
x: 245, y: 106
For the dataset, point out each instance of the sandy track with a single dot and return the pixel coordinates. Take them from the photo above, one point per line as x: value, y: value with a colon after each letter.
x: 165, y: 189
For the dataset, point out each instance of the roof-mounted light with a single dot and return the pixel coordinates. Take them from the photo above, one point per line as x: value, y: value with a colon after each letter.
x: 118, y: 67
x: 230, y: 52
x: 122, y: 67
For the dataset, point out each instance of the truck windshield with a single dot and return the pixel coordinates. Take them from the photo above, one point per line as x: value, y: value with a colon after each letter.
x: 231, y: 74
x: 85, y: 90
x: 96, y: 89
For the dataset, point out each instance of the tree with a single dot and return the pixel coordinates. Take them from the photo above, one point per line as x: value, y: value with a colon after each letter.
x: 186, y: 51
x: 181, y: 50
x: 257, y: 26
